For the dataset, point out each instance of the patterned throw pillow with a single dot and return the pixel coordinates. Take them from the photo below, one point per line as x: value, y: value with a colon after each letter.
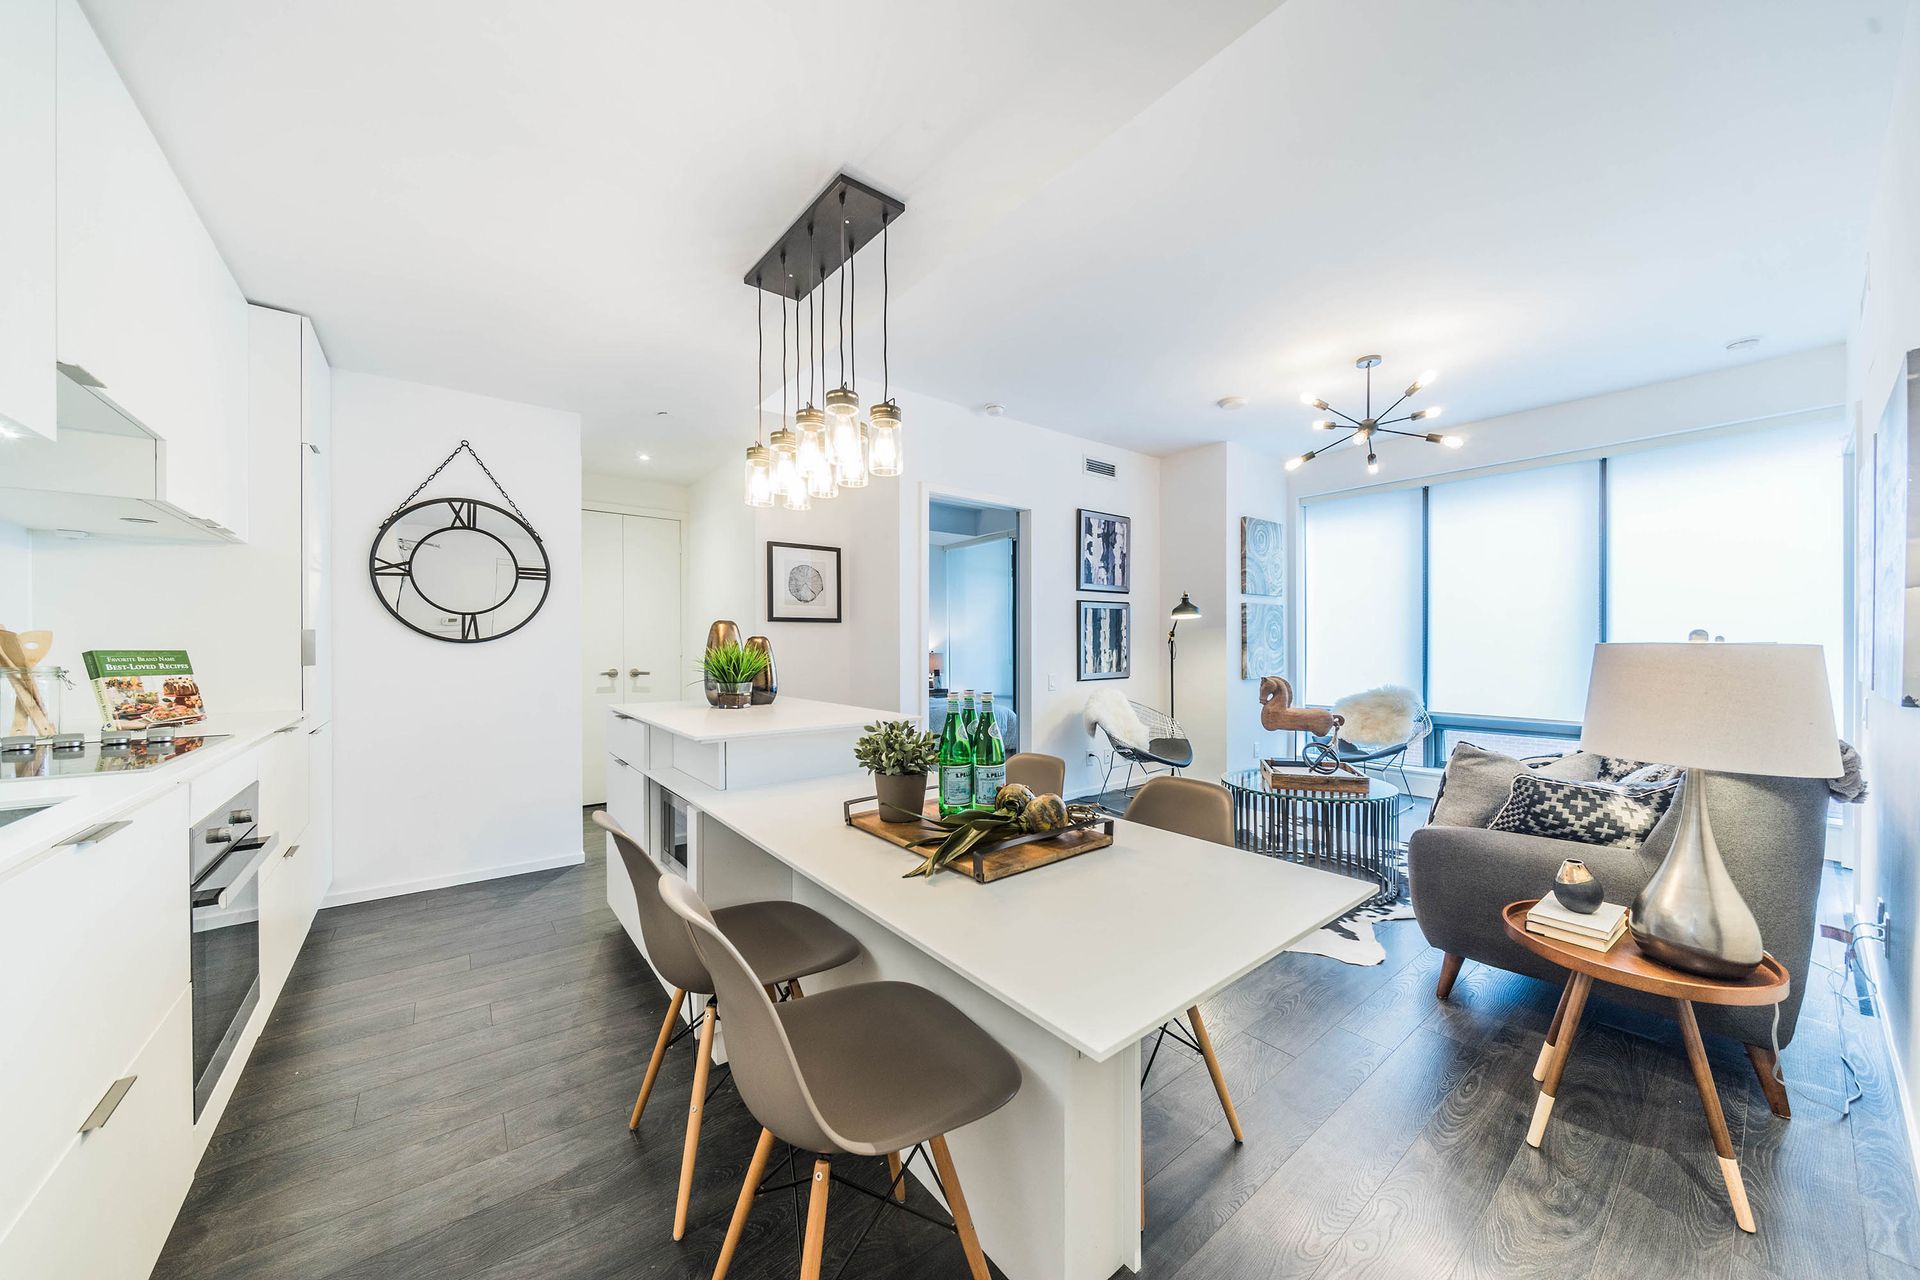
x: 1584, y: 812
x: 1615, y: 769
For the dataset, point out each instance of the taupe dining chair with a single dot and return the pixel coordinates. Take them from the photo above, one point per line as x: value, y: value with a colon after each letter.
x: 1042, y: 773
x: 783, y: 942
x: 872, y: 1069
x: 1205, y: 812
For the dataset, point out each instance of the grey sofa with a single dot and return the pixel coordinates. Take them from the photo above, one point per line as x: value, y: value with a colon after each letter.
x: 1771, y: 832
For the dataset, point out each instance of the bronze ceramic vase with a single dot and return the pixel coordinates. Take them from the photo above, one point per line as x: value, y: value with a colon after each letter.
x: 719, y: 635
x: 766, y: 685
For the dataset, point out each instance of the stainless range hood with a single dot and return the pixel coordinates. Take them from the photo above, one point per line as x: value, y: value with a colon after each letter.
x: 102, y: 475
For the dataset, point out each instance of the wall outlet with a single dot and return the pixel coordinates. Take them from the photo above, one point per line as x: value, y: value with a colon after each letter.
x: 1053, y: 683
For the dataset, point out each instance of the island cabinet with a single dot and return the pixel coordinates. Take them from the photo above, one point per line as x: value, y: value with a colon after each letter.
x: 147, y: 314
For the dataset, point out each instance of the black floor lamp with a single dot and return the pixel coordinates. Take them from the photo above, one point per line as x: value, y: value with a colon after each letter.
x: 1180, y: 612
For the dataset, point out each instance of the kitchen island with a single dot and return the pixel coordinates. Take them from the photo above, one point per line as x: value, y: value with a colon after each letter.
x: 1068, y: 966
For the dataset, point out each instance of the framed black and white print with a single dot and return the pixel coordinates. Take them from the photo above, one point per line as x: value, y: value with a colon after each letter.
x: 1105, y: 551
x: 1106, y: 640
x: 803, y: 582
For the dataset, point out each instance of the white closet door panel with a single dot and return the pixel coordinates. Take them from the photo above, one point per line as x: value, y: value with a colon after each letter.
x: 601, y: 645
x: 652, y: 672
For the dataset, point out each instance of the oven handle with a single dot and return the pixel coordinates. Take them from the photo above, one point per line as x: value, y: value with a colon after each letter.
x: 231, y: 874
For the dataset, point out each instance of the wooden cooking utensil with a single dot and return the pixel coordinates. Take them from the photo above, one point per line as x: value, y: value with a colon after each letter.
x: 21, y: 652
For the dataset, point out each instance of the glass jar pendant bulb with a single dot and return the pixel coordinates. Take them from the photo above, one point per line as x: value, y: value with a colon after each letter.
x: 883, y: 448
x: 786, y: 471
x: 759, y: 476
x: 851, y: 463
x: 842, y: 404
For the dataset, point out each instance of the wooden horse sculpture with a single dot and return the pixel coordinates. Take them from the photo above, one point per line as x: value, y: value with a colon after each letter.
x: 1278, y: 712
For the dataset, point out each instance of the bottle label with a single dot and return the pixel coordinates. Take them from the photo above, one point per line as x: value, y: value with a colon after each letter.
x: 987, y: 781
x: 956, y: 785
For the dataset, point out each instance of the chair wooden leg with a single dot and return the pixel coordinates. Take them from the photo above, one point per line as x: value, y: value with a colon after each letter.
x: 1205, y: 1042
x: 756, y: 1169
x: 1577, y: 988
x: 893, y: 1176
x: 701, y: 1066
x: 1449, y: 970
x: 814, y: 1245
x: 957, y: 1206
x: 667, y: 1027
x: 1765, y: 1064
x: 793, y: 989
x: 1716, y: 1119
x: 1553, y: 1033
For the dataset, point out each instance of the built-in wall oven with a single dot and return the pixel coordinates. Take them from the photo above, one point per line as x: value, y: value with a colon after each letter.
x: 225, y: 853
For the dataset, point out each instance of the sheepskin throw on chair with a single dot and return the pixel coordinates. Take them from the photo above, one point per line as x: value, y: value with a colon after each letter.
x: 1381, y: 717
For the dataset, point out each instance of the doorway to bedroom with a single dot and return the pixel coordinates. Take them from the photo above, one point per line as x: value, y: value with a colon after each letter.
x: 973, y: 611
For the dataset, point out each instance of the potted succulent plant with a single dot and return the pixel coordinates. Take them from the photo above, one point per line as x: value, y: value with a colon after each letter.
x: 730, y: 669
x: 900, y: 757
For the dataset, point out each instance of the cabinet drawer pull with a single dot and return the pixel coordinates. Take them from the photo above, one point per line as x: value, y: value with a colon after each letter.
x: 94, y: 834
x: 103, y: 1110
x: 290, y: 852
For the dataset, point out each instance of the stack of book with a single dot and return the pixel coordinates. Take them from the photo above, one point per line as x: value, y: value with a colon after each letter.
x: 1596, y: 932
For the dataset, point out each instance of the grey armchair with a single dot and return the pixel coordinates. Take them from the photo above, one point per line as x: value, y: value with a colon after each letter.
x: 1771, y: 832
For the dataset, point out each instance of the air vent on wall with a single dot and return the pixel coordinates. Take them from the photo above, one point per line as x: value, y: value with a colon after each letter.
x: 1101, y: 467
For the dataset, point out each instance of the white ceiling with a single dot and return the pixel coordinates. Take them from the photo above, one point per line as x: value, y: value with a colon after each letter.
x: 556, y: 202
x: 1118, y: 210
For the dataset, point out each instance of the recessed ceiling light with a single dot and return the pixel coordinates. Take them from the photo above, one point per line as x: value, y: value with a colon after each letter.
x: 644, y: 457
x: 138, y: 520
x: 1231, y: 403
x: 1744, y: 344
x: 73, y: 535
x: 8, y: 433
x: 993, y: 408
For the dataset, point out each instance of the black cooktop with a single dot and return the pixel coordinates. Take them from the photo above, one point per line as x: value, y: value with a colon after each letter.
x: 46, y: 761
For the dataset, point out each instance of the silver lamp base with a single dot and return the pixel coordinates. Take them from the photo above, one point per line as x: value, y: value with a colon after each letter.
x: 1690, y: 916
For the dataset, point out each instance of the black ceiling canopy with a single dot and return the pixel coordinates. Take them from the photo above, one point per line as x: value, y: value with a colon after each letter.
x: 813, y: 246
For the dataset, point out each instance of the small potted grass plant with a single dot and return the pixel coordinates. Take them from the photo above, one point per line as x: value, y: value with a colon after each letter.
x: 900, y: 757
x: 730, y: 668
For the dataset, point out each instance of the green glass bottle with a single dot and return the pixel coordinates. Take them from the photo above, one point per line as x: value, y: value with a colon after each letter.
x: 966, y: 714
x: 956, y: 764
x: 989, y: 756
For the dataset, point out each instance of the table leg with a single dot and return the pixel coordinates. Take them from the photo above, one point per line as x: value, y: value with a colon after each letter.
x: 1577, y: 988
x: 1553, y: 1032
x: 1716, y: 1119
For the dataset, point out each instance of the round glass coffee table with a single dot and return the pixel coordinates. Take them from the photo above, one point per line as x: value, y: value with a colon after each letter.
x: 1350, y: 832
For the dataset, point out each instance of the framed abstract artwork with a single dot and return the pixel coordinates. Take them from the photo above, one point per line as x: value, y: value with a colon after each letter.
x: 803, y: 582
x: 1263, y: 557
x: 1106, y: 640
x: 1263, y: 640
x: 1105, y: 551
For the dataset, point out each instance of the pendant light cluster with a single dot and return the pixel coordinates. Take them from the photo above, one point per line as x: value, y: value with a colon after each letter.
x: 828, y: 444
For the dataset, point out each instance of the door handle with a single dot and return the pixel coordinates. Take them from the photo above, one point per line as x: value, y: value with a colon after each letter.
x: 611, y: 673
x: 636, y: 672
x: 103, y: 1110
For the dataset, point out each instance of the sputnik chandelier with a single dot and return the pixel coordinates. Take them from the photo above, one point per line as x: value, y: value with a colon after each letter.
x: 1370, y: 425
x: 820, y: 451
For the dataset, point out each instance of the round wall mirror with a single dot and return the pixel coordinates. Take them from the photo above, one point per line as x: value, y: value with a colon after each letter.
x: 459, y: 569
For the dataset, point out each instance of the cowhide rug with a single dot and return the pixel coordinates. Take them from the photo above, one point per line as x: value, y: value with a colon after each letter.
x: 1350, y: 939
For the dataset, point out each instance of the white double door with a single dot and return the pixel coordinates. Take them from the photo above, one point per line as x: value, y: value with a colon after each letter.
x: 630, y: 647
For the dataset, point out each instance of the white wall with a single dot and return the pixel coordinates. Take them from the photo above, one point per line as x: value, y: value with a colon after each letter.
x: 454, y: 762
x: 16, y: 577
x: 1797, y: 383
x: 1204, y: 494
x: 1888, y: 327
x: 626, y: 491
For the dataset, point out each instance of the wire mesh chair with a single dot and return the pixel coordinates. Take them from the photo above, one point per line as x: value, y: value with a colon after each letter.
x: 1332, y: 748
x: 1167, y: 746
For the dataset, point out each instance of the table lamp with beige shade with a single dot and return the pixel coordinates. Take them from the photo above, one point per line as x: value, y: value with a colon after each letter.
x: 1709, y: 708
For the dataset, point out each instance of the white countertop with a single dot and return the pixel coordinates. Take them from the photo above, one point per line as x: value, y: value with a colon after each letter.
x: 1099, y: 949
x: 87, y: 799
x: 699, y: 722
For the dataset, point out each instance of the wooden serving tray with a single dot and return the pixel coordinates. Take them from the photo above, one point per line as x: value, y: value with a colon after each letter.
x: 983, y: 864
x: 1284, y: 777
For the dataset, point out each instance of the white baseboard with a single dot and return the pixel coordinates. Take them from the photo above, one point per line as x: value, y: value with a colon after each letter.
x: 344, y: 897
x: 1870, y: 956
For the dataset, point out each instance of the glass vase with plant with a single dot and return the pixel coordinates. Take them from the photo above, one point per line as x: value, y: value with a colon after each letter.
x: 731, y: 669
x: 899, y: 755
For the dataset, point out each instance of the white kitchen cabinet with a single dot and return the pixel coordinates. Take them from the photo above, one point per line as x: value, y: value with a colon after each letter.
x: 147, y: 313
x: 105, y: 1212
x: 316, y: 528
x: 26, y: 216
x: 285, y: 783
x: 93, y: 943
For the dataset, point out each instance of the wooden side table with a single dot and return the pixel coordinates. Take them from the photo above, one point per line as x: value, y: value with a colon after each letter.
x: 1625, y: 965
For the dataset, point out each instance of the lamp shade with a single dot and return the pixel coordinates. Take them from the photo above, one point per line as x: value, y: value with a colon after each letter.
x: 1185, y: 609
x: 1729, y: 708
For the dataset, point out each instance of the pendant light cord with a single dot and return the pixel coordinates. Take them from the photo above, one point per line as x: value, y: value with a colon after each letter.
x: 783, y: 353
x: 853, y: 311
x: 886, y: 312
x: 759, y: 361
x: 841, y: 315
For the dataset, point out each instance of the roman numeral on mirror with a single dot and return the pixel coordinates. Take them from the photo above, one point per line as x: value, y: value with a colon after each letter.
x: 392, y: 569
x: 469, y: 626
x: 531, y: 573
x: 466, y: 513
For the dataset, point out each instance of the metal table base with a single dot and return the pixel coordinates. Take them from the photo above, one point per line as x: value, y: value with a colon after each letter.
x: 1345, y: 832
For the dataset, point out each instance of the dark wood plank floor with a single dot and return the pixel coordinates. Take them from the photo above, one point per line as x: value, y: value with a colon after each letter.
x: 444, y: 1087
